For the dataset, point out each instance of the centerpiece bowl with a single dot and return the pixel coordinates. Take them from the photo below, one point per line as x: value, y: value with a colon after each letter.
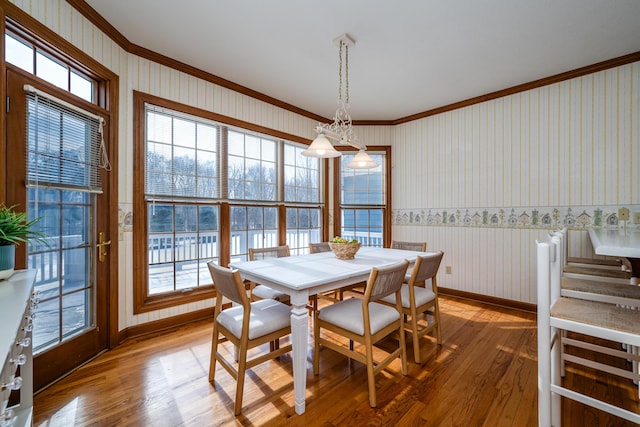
x: 344, y: 250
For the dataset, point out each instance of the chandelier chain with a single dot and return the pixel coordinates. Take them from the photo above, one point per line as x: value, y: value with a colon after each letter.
x: 346, y: 70
x: 341, y: 129
x: 343, y: 66
x: 340, y: 72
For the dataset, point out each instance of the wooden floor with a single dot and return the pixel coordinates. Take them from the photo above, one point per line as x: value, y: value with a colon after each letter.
x: 484, y: 374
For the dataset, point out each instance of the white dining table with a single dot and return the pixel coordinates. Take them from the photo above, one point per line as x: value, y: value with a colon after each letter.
x: 305, y: 275
x: 620, y: 241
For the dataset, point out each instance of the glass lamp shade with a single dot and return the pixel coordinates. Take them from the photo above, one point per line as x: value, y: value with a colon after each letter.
x: 321, y: 147
x: 362, y: 161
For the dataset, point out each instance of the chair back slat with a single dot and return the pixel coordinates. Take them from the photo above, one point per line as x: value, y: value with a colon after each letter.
x: 272, y: 252
x: 426, y: 267
x: 385, y: 281
x: 319, y: 247
x: 409, y: 246
x: 228, y: 283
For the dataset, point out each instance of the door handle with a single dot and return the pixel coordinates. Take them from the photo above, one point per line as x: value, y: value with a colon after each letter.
x: 102, y: 247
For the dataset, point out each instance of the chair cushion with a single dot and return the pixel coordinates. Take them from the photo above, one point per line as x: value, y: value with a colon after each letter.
x: 423, y: 296
x: 347, y: 314
x: 599, y: 314
x: 266, y: 292
x: 267, y: 316
x: 407, y: 277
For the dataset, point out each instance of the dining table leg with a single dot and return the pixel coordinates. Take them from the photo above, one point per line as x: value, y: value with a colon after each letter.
x: 300, y: 344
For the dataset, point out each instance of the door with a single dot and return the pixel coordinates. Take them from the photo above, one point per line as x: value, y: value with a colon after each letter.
x: 71, y: 319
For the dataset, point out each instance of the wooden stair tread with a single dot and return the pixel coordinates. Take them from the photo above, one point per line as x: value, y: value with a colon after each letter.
x: 595, y: 287
x: 589, y: 271
x: 595, y: 261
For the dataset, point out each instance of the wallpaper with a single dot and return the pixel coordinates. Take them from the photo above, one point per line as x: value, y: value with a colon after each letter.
x: 484, y: 182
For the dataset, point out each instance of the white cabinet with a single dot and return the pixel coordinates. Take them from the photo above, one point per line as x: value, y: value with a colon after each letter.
x: 16, y: 305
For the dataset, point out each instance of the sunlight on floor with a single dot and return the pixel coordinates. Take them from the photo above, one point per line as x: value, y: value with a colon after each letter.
x: 66, y: 416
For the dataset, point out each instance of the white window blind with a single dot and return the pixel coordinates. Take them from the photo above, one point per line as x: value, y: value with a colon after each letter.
x: 64, y: 144
x: 181, y: 156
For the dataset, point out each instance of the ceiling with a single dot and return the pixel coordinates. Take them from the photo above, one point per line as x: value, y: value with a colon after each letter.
x: 410, y: 56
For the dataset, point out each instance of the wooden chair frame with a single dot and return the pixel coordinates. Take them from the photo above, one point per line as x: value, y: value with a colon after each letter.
x: 425, y: 268
x: 367, y: 339
x: 409, y: 246
x: 243, y: 343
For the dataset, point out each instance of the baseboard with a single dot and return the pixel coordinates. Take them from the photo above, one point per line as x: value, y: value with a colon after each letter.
x: 182, y: 319
x: 163, y: 324
x: 517, y: 305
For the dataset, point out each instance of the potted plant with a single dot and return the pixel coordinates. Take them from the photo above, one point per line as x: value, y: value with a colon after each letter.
x: 15, y: 228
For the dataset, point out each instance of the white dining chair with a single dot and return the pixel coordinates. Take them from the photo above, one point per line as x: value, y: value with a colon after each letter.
x: 366, y: 322
x: 246, y: 325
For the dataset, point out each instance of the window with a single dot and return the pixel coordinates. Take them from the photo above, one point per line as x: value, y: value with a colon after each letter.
x: 364, y: 200
x: 301, y: 176
x: 302, y: 187
x: 63, y: 146
x: 252, y: 227
x: 43, y: 64
x: 211, y: 192
x: 182, y: 239
x: 303, y: 227
x: 181, y: 191
x: 252, y: 167
x: 181, y: 156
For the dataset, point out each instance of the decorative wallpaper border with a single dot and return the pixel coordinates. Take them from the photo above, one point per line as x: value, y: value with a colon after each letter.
x: 520, y: 217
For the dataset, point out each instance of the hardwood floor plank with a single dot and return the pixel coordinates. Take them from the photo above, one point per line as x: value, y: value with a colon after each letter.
x: 483, y: 374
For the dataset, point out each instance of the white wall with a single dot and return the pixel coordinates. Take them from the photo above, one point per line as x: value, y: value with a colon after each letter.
x: 510, y: 169
x: 573, y: 144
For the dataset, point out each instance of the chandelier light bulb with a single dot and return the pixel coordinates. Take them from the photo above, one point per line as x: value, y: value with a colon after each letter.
x: 362, y: 161
x: 321, y: 147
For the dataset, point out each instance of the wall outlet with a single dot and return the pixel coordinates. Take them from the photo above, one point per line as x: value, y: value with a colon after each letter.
x: 447, y: 269
x: 623, y: 214
x: 636, y: 217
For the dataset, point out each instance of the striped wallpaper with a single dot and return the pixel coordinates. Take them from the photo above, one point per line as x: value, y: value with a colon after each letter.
x: 573, y: 143
x: 571, y: 149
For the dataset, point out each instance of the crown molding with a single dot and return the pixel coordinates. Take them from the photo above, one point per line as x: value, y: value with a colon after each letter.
x: 97, y: 19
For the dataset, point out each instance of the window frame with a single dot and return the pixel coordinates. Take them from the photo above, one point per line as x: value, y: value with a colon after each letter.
x: 143, y: 302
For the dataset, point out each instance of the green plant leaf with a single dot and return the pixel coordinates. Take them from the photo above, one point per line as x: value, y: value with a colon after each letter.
x: 16, y: 228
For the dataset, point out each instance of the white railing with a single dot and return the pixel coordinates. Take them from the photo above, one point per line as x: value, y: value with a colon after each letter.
x: 188, y: 246
x: 365, y: 238
x: 46, y: 260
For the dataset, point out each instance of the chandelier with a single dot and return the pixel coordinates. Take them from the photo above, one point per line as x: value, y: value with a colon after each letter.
x: 341, y: 130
